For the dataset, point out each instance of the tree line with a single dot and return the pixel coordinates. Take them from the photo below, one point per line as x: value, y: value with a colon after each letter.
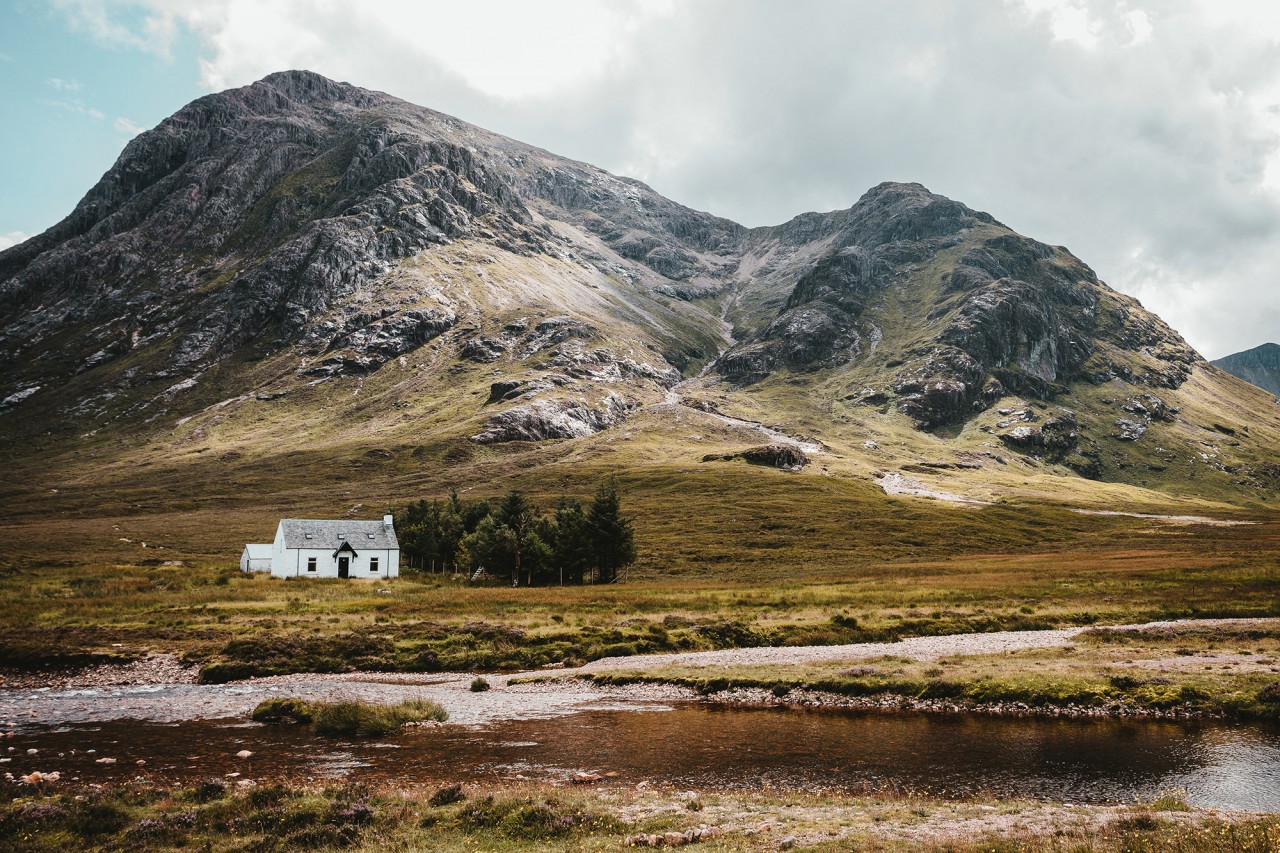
x: 514, y: 540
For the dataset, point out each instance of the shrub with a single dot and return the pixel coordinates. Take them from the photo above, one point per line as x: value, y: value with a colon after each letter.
x: 730, y: 635
x: 535, y: 821
x: 447, y: 795
x: 521, y: 818
x: 1170, y: 800
x: 479, y: 685
x: 208, y: 791
x: 617, y: 650
x: 98, y: 817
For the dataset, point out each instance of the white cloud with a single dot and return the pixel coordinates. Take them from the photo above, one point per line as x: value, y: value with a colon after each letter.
x: 73, y: 105
x: 1139, y: 23
x: 147, y: 25
x: 500, y: 48
x: 1145, y: 136
x: 4, y: 57
x: 127, y: 126
x: 13, y: 238
x: 64, y: 85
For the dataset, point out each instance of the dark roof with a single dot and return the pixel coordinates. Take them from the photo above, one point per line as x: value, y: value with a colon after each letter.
x: 331, y: 534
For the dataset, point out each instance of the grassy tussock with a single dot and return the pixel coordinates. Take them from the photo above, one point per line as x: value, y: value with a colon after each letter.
x: 349, y: 719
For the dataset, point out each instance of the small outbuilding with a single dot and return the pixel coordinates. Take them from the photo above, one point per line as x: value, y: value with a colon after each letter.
x: 256, y: 558
x: 316, y: 548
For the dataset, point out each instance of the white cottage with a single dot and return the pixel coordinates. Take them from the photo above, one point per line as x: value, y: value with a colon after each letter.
x: 256, y: 557
x: 308, y: 548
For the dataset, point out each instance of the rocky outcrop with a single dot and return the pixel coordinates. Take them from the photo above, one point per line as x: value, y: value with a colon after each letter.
x: 1053, y: 438
x: 544, y: 419
x: 944, y: 387
x: 996, y: 314
x: 394, y: 335
x: 1150, y: 408
x: 1025, y: 335
x: 820, y: 324
x: 1127, y: 430
x: 483, y: 349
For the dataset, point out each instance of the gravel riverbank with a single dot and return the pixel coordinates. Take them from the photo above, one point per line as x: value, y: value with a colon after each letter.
x: 159, y: 688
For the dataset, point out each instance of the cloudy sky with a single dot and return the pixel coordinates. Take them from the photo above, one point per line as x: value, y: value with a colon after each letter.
x: 1144, y: 135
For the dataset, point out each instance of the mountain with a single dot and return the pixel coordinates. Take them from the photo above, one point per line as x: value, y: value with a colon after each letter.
x: 1258, y: 366
x: 299, y: 281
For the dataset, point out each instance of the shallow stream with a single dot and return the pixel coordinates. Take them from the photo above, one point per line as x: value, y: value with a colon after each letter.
x: 694, y: 746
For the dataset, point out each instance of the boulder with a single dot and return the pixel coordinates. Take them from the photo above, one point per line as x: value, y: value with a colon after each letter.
x: 784, y: 456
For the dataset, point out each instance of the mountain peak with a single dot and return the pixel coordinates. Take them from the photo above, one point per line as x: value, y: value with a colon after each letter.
x: 304, y: 87
x: 1259, y: 366
x: 300, y: 231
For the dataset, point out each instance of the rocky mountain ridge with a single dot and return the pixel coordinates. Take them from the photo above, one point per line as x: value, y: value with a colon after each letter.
x: 301, y: 245
x: 1258, y: 366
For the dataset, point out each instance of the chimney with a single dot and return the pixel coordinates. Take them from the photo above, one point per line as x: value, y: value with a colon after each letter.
x: 386, y: 521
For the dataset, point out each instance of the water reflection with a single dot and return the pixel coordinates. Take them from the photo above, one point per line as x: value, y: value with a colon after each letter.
x: 1219, y: 765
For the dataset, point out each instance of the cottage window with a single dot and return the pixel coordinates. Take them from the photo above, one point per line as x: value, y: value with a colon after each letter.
x: 373, y: 564
x: 311, y: 564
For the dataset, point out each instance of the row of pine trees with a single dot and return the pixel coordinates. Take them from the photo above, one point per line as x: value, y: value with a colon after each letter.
x: 513, y: 540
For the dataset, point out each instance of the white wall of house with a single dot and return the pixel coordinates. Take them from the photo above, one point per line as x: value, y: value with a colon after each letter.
x: 294, y: 562
x: 256, y: 558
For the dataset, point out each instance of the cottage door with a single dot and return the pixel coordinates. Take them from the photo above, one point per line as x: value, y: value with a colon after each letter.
x: 344, y: 567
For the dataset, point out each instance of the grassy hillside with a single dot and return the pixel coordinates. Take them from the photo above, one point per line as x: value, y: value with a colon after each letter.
x: 730, y: 554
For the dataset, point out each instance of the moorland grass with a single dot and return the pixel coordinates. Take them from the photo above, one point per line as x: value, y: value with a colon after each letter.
x: 112, y: 561
x: 211, y: 816
x: 236, y: 625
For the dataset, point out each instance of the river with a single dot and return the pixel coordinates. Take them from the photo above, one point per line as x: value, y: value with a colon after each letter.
x: 706, y: 747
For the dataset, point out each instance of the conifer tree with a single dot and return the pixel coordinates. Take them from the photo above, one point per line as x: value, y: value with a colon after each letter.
x: 572, y: 550
x: 612, y: 539
x: 516, y: 514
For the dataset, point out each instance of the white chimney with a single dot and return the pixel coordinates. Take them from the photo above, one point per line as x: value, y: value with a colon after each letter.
x: 386, y: 521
